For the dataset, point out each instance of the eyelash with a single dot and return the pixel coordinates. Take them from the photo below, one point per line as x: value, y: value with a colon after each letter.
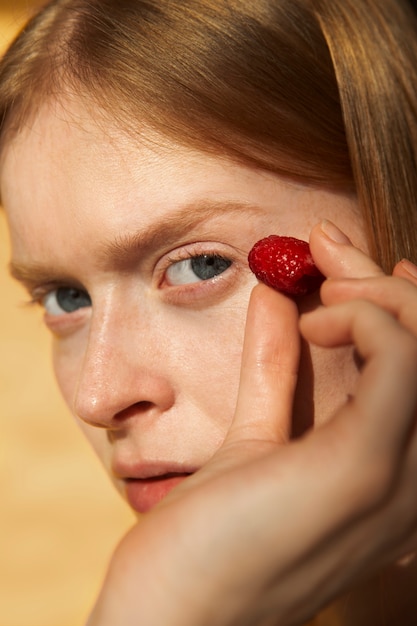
x: 188, y: 255
x: 198, y: 289
x: 176, y: 292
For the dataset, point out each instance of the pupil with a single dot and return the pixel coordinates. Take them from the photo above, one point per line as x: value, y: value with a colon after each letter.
x: 70, y: 299
x: 208, y: 266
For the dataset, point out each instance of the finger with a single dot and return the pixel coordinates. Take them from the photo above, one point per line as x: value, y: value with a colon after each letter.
x: 395, y: 295
x: 335, y: 255
x: 269, y: 369
x: 406, y: 269
x: 384, y: 404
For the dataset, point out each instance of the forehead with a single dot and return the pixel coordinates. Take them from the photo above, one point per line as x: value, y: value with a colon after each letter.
x: 67, y: 132
x: 73, y: 137
x: 67, y: 166
x: 71, y: 180
x: 67, y: 147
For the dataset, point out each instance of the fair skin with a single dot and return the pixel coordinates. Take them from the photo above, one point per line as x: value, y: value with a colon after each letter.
x: 152, y: 370
x: 107, y: 357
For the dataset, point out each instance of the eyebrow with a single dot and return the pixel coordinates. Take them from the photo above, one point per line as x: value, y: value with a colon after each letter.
x: 124, y: 248
x: 36, y: 273
x: 168, y: 230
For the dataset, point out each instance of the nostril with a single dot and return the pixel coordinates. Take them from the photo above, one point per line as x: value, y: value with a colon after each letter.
x: 110, y: 399
x: 134, y: 410
x: 117, y: 430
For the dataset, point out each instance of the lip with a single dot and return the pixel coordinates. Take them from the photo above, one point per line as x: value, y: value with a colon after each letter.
x: 145, y: 493
x: 146, y: 484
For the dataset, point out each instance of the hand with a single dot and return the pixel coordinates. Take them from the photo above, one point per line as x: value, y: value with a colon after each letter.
x: 398, y: 297
x: 355, y: 276
x: 270, y: 531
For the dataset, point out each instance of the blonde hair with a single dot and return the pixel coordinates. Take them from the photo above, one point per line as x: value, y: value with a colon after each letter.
x: 320, y: 91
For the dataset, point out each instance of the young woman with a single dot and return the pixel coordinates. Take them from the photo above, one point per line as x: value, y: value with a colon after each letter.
x: 146, y: 146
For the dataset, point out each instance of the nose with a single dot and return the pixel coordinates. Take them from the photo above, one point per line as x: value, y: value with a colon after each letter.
x: 121, y: 374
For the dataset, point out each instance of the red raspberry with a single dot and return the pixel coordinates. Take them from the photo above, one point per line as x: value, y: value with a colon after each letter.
x: 286, y: 264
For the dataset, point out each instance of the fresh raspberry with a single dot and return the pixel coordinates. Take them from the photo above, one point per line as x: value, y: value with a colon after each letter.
x: 286, y: 264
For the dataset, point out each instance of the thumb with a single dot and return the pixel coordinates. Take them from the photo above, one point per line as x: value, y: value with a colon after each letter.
x: 269, y: 369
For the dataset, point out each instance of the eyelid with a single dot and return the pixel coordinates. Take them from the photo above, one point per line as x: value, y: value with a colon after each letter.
x: 62, y: 323
x: 37, y: 293
x: 190, y: 251
x: 204, y: 293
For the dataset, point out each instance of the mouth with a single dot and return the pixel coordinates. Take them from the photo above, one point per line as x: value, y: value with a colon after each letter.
x: 145, y: 493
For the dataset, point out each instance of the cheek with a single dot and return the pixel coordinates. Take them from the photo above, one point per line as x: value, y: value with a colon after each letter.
x: 66, y: 363
x: 210, y: 365
x: 200, y: 362
x: 66, y: 360
x: 327, y: 378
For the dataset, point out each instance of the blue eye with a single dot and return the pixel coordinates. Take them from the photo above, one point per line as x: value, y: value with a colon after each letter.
x: 196, y: 269
x: 65, y: 300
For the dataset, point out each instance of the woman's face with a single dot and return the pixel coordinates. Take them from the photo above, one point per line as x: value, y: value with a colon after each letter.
x: 110, y: 235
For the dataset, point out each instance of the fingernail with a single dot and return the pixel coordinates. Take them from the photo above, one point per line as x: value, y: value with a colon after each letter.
x: 333, y: 233
x: 409, y: 267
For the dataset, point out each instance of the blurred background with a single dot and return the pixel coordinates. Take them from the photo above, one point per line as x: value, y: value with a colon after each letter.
x: 59, y: 516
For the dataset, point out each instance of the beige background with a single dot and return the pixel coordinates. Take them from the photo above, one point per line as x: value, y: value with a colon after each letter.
x: 59, y: 515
